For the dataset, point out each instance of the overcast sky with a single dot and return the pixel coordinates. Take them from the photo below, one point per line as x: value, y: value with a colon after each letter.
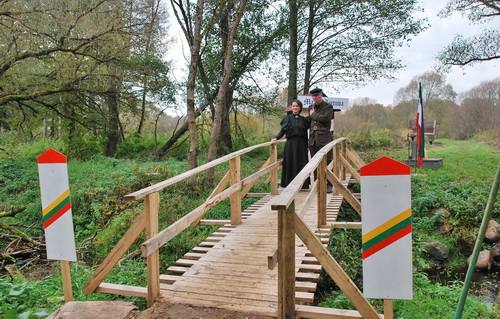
x: 419, y: 57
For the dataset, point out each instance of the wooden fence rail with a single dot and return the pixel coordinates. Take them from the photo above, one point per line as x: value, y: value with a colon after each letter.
x: 237, y: 188
x: 291, y: 223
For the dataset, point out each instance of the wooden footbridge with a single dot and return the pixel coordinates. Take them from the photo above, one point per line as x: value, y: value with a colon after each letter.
x: 267, y: 258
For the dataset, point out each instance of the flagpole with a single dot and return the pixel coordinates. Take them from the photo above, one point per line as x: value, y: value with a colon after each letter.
x: 419, y: 122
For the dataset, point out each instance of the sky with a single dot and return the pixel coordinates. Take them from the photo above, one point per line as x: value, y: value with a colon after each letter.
x: 419, y: 57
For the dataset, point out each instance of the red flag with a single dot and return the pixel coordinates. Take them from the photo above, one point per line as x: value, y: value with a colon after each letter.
x: 420, y: 128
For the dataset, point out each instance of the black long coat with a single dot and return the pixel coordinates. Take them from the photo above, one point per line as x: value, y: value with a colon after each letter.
x: 295, y: 154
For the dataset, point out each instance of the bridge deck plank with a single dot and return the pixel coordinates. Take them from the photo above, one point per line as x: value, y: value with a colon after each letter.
x: 232, y: 273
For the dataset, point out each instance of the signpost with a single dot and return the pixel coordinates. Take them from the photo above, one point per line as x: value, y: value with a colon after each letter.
x: 56, y: 212
x: 386, y: 230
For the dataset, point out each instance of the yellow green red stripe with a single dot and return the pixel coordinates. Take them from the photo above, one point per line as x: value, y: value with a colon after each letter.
x: 387, y: 233
x: 56, y: 209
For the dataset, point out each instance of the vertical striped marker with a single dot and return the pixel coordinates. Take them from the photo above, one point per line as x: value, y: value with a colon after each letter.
x: 386, y: 229
x: 56, y: 206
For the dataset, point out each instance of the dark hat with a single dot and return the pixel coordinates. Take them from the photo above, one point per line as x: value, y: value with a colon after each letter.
x: 316, y: 91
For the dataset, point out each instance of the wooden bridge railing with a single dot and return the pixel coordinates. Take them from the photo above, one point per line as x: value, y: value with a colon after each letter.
x: 291, y: 223
x: 148, y: 219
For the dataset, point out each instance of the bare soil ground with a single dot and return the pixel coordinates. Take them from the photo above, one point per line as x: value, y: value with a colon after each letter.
x: 166, y: 310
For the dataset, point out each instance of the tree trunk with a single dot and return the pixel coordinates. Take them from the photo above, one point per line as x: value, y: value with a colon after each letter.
x: 226, y: 75
x: 113, y: 121
x: 143, y: 108
x: 155, y: 7
x: 226, y: 142
x: 309, y: 40
x: 292, y: 60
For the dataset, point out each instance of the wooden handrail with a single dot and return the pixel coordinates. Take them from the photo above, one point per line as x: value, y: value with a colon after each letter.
x: 178, y: 178
x: 290, y: 223
x: 148, y: 220
x: 288, y: 194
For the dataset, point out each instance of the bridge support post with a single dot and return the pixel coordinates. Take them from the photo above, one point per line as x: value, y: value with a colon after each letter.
x: 336, y: 167
x: 152, y: 206
x: 343, y: 169
x: 273, y: 156
x: 235, y: 168
x: 322, y: 167
x: 286, y: 263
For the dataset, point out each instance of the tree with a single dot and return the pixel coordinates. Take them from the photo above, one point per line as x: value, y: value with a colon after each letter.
x: 350, y: 42
x: 482, y: 47
x: 294, y: 50
x: 434, y: 87
x: 438, y: 101
x: 67, y: 60
x: 194, y: 35
x: 478, y: 112
x: 224, y: 84
x: 260, y: 33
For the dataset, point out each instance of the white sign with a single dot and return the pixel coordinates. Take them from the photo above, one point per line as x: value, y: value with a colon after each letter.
x: 386, y: 229
x: 338, y: 103
x: 56, y: 206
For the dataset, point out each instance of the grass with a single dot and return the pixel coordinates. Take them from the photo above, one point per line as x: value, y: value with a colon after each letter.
x: 461, y: 186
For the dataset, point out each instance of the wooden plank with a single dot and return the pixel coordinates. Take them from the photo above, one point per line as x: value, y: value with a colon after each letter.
x: 321, y: 197
x: 301, y: 296
x: 219, y: 291
x: 286, y: 261
x: 307, y: 276
x: 256, y: 195
x: 151, y: 207
x: 273, y: 178
x: 177, y: 269
x: 348, y: 225
x: 214, y: 222
x: 257, y: 292
x: 194, y: 256
x: 235, y: 198
x: 312, y: 312
x: 169, y: 279
x: 305, y: 286
x: 200, y: 298
x: 310, y: 268
x: 116, y: 253
x: 124, y: 290
x: 201, y: 249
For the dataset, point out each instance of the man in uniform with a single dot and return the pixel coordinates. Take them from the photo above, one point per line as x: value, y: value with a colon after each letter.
x: 321, y: 115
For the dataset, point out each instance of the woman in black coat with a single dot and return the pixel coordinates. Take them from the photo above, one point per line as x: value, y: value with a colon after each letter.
x: 295, y: 127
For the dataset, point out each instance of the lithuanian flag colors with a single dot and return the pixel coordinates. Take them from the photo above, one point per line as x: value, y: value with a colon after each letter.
x: 56, y: 206
x: 386, y: 229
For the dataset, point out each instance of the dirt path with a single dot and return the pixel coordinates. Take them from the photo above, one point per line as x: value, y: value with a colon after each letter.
x: 166, y: 310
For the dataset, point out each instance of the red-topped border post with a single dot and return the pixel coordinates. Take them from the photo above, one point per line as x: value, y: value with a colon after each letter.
x: 56, y: 213
x: 386, y: 230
